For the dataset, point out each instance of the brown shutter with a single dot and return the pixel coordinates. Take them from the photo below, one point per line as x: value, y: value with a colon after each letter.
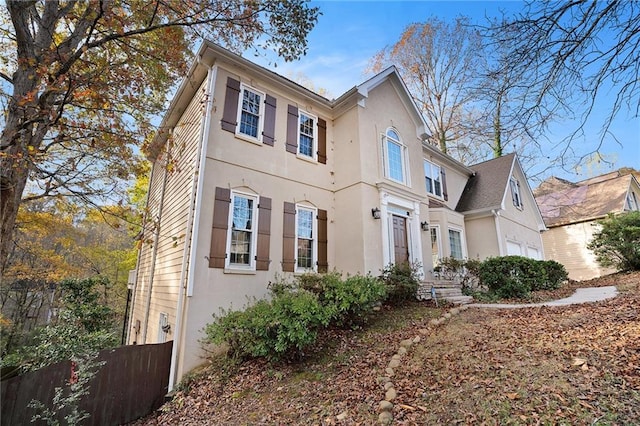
x: 292, y: 129
x: 443, y: 175
x: 322, y: 141
x: 264, y: 232
x: 230, y: 112
x: 268, y: 134
x: 217, y: 253
x: 289, y: 237
x: 323, y: 262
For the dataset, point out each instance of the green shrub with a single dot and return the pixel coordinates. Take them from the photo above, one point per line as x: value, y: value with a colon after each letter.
x: 347, y: 302
x: 509, y: 276
x: 466, y: 272
x: 274, y: 329
x: 617, y: 243
x: 554, y: 275
x: 402, y: 282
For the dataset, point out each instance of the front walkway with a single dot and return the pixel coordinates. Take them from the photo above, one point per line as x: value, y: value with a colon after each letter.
x: 582, y: 295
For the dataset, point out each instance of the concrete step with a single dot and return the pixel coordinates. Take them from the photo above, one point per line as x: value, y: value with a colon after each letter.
x: 458, y: 300
x: 445, y: 292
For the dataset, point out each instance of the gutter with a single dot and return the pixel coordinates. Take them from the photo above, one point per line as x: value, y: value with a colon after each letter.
x: 496, y: 218
x: 193, y: 221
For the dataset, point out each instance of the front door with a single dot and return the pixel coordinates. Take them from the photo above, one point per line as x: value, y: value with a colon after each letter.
x: 400, y: 245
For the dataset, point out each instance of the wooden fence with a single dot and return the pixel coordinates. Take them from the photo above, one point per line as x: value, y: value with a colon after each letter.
x: 131, y: 383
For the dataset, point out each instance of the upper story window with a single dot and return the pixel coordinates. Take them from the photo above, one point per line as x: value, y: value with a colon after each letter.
x: 394, y: 153
x: 250, y: 113
x: 433, y: 179
x: 241, y: 232
x: 306, y: 239
x: 632, y: 201
x: 515, y: 192
x: 307, y: 135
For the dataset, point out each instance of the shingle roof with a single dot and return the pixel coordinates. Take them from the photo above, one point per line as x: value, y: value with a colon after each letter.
x: 485, y: 190
x: 587, y: 200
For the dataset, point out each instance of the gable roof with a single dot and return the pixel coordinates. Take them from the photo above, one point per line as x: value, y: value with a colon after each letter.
x: 583, y: 201
x: 485, y: 190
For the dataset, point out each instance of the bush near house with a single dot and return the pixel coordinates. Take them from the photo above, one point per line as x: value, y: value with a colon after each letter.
x: 517, y: 276
x: 617, y: 244
x: 285, y: 325
x: 402, y: 282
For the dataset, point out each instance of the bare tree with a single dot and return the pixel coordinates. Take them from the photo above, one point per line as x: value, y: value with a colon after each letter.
x: 83, y: 79
x: 439, y: 63
x: 567, y: 53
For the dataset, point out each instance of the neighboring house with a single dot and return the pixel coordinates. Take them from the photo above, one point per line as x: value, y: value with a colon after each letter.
x: 256, y: 178
x: 571, y: 211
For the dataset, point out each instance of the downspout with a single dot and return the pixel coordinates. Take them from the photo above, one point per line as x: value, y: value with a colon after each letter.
x: 156, y: 239
x: 135, y: 281
x: 193, y: 220
x: 496, y: 218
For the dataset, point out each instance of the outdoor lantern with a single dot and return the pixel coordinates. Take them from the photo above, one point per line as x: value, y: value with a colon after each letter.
x: 375, y: 212
x: 424, y: 226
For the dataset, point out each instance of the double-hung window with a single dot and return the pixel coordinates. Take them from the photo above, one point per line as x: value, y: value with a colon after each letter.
x: 250, y: 113
x: 242, y: 235
x: 433, y: 180
x: 394, y: 153
x: 306, y: 239
x: 455, y: 244
x: 515, y: 193
x: 307, y: 135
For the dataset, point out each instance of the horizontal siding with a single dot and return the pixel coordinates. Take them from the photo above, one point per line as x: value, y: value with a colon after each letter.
x: 173, y: 223
x: 568, y: 245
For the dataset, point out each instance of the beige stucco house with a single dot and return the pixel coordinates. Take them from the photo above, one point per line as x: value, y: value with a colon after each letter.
x: 571, y: 211
x: 255, y: 177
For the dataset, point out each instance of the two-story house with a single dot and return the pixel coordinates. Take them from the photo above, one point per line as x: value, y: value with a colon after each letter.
x: 255, y: 177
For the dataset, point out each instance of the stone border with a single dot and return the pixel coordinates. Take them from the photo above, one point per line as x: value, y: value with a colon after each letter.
x: 385, y: 406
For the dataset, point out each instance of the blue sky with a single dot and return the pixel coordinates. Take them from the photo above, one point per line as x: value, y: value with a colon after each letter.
x: 349, y: 33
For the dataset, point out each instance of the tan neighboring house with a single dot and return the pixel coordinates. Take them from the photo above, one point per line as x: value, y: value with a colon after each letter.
x: 255, y: 177
x: 570, y: 212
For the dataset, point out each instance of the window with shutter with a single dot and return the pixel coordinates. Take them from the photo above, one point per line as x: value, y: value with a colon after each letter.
x: 249, y: 113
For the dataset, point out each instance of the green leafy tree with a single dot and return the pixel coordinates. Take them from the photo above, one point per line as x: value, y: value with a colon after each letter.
x: 84, y: 79
x: 85, y: 325
x: 617, y: 243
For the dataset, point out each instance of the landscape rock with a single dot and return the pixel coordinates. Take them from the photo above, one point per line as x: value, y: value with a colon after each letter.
x: 391, y: 394
x: 385, y: 406
x: 385, y: 418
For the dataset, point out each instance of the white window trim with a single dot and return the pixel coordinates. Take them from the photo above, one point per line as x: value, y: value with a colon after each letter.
x: 515, y: 190
x: 463, y: 241
x: 257, y: 139
x: 314, y: 234
x: 431, y: 166
x: 403, y: 152
x: 314, y: 148
x: 254, y: 234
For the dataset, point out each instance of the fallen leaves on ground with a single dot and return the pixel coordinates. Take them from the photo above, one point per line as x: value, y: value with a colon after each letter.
x: 574, y: 365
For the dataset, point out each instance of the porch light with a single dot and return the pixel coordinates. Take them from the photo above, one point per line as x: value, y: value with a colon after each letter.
x: 375, y: 212
x: 424, y: 226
